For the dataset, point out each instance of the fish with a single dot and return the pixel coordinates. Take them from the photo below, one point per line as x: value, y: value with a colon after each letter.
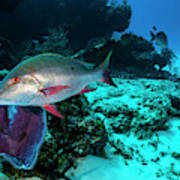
x: 154, y: 28
x: 160, y: 39
x: 45, y: 37
x: 35, y: 41
x: 45, y: 79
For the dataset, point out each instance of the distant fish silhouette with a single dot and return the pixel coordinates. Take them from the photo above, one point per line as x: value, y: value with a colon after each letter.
x: 45, y: 37
x: 35, y: 41
x: 22, y: 131
x: 160, y: 39
x: 154, y: 28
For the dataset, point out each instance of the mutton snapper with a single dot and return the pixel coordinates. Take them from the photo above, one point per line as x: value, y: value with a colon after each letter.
x: 48, y: 78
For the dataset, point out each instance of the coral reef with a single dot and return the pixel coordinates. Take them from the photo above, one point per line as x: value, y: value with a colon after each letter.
x: 141, y: 137
x: 137, y: 108
x: 128, y: 157
x: 55, y: 41
x: 133, y: 56
x: 7, y: 53
x: 82, y: 20
x: 66, y: 140
x: 86, y: 20
x: 78, y: 24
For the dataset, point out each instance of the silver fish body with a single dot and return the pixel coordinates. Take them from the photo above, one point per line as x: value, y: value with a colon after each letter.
x: 44, y: 71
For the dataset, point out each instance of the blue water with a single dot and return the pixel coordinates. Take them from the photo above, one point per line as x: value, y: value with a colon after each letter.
x: 164, y: 14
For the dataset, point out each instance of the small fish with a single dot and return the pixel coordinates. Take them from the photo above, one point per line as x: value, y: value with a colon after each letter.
x: 35, y: 41
x: 154, y: 28
x: 48, y: 78
x: 45, y: 37
x: 160, y: 39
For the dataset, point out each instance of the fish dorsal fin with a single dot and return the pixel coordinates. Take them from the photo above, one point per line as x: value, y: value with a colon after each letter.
x: 106, y: 61
x: 50, y: 54
x: 86, y: 64
x: 53, y: 110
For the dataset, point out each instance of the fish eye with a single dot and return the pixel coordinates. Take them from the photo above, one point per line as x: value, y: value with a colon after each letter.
x: 14, y: 80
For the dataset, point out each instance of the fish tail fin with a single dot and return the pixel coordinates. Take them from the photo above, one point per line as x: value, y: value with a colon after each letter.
x: 105, y: 77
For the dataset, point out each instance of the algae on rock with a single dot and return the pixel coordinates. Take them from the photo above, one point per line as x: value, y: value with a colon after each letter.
x: 55, y: 42
x: 136, y: 106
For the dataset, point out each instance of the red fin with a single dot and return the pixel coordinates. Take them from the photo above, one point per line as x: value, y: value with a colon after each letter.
x: 85, y: 90
x: 107, y: 79
x: 53, y: 90
x: 53, y: 110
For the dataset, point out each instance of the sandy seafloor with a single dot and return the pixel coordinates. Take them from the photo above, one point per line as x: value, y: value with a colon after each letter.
x: 144, y: 166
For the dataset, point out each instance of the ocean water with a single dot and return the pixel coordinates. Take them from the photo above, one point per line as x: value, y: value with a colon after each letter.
x: 89, y: 90
x: 161, y: 14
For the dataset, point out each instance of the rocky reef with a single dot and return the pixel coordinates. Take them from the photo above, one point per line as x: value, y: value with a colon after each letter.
x: 87, y: 20
x: 81, y: 20
x: 142, y: 135
x: 90, y: 33
x: 65, y: 141
x: 55, y: 41
x: 105, y: 118
x: 7, y: 53
x: 133, y: 56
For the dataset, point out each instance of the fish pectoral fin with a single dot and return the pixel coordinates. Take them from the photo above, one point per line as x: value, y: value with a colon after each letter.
x: 85, y: 90
x: 53, y: 110
x: 53, y: 89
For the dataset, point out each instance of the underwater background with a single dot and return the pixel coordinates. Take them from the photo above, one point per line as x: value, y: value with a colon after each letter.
x: 160, y: 13
x: 127, y: 132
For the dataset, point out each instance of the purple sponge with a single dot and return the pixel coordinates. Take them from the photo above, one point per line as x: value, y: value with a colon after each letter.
x: 22, y: 131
